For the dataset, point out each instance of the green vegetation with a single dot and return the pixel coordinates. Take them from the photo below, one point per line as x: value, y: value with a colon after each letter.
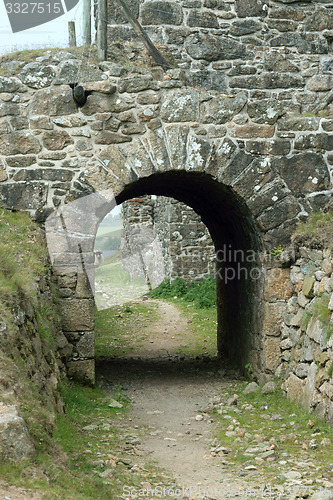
x: 249, y: 371
x: 84, y: 445
x: 23, y: 256
x: 113, y: 275
x: 318, y: 228
x: 202, y: 293
x: 66, y: 453
x: 330, y: 370
x: 118, y: 327
x: 108, y: 240
x: 109, y: 233
x: 24, y: 57
x: 277, y: 251
x: 322, y: 313
x: 319, y: 309
x: 203, y: 324
x: 115, y: 283
x: 283, y: 425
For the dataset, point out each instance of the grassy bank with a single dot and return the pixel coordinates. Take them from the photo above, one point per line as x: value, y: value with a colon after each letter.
x: 83, y: 464
x: 75, y: 447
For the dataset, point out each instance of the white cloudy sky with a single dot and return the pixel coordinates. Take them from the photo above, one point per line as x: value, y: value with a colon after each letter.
x: 51, y: 34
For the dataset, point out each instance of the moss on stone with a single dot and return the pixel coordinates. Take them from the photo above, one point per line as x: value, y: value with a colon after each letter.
x: 317, y: 231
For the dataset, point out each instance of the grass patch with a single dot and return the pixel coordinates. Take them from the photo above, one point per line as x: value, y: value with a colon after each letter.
x: 23, y: 256
x: 113, y: 274
x: 330, y: 370
x: 202, y: 293
x: 118, y: 328
x: 317, y: 230
x: 84, y: 443
x: 320, y: 310
x: 107, y: 239
x: 116, y: 257
x: 203, y: 324
x: 114, y: 286
x: 197, y: 301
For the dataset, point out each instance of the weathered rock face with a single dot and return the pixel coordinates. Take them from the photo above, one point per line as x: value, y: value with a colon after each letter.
x: 15, y: 441
x: 31, y: 364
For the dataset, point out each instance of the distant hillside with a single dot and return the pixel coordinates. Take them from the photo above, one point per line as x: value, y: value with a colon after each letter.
x: 108, y: 240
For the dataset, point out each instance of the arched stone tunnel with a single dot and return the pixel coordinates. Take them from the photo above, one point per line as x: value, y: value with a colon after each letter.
x: 250, y: 163
x: 238, y: 247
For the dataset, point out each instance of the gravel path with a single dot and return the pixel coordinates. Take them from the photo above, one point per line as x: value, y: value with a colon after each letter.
x: 170, y: 428
x: 166, y: 419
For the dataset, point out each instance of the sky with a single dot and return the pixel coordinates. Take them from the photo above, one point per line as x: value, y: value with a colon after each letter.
x: 51, y: 34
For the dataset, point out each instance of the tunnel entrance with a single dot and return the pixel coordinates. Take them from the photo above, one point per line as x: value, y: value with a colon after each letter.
x: 237, y: 241
x: 152, y: 248
x: 240, y: 268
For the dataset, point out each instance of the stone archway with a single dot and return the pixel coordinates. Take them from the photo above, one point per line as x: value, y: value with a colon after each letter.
x: 238, y: 242
x: 238, y: 247
x: 249, y: 171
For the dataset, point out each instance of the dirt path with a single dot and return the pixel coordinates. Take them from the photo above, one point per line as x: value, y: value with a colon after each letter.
x: 169, y: 435
x: 165, y: 335
x: 166, y: 416
x: 8, y: 492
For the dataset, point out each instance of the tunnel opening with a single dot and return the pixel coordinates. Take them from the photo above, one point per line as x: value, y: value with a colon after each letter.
x: 237, y: 241
x: 162, y: 272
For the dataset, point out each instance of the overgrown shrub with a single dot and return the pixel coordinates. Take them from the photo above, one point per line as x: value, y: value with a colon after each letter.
x: 202, y: 293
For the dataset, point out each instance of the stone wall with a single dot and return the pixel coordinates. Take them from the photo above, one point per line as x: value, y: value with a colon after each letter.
x: 77, y: 311
x: 252, y: 162
x: 298, y: 343
x: 33, y: 354
x: 186, y: 247
x: 263, y: 47
x: 139, y: 243
x: 263, y: 144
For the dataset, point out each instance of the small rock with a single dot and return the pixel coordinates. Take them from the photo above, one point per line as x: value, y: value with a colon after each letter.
x: 115, y: 404
x: 222, y: 449
x: 198, y: 418
x: 146, y: 486
x: 268, y: 388
x: 267, y: 454
x: 108, y: 474
x: 292, y: 474
x: 230, y: 433
x: 326, y: 442
x: 233, y: 400
x: 313, y: 444
x: 250, y: 467
x: 251, y: 388
x: 91, y: 427
x: 322, y: 495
